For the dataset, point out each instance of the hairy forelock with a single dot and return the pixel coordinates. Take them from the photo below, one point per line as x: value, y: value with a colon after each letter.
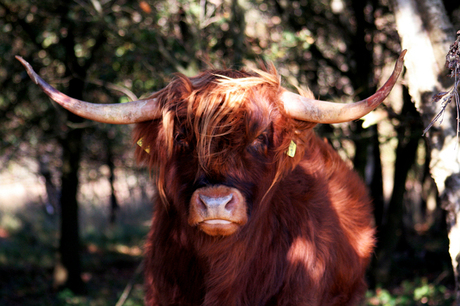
x: 217, y: 103
x: 219, y: 111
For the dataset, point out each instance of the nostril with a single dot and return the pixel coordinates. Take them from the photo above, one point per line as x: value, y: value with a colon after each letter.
x: 201, y: 203
x: 231, y: 204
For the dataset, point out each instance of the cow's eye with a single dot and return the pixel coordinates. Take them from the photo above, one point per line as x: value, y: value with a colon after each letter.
x: 180, y: 139
x: 262, y: 138
x: 260, y: 143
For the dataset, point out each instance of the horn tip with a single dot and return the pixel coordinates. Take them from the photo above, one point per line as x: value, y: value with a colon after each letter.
x: 22, y: 60
x: 402, y: 54
x: 29, y: 69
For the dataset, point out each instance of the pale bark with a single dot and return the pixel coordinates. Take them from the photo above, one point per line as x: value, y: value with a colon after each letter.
x: 426, y: 32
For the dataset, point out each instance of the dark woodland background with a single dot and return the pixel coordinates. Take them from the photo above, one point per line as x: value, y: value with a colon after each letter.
x: 74, y: 207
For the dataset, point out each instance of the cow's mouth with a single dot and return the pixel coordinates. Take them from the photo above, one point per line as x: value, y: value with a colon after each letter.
x: 218, y: 227
x: 218, y: 210
x: 217, y: 222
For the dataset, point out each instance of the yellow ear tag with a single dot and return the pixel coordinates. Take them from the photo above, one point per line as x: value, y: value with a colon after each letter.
x: 291, y: 150
x: 139, y: 143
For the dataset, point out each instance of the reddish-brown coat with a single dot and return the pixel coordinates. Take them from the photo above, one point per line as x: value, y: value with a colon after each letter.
x: 308, y: 237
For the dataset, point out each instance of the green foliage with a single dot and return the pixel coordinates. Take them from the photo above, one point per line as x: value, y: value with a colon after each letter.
x: 412, y: 293
x: 66, y: 297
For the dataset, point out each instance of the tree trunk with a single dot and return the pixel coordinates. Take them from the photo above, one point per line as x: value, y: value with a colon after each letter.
x: 113, y: 199
x: 450, y: 202
x: 68, y: 270
x: 390, y: 233
x: 426, y: 33
x: 237, y: 27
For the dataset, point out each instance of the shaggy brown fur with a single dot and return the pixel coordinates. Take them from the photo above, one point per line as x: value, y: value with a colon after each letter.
x: 308, y: 235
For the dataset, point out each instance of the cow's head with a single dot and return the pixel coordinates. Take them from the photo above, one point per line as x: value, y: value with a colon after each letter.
x: 218, y: 146
x: 218, y: 142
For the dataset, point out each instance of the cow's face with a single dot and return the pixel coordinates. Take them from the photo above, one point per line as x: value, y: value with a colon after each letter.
x: 224, y: 161
x: 230, y: 165
x: 224, y: 149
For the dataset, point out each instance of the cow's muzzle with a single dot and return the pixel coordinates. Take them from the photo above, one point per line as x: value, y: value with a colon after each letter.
x: 218, y: 210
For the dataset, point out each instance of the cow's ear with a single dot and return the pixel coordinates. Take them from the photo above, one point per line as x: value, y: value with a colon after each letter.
x: 301, y: 127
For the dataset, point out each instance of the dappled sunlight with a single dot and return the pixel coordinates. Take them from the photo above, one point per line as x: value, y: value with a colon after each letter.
x: 25, y: 217
x: 447, y: 152
x: 119, y: 248
x: 29, y: 239
x: 19, y: 185
x: 303, y: 253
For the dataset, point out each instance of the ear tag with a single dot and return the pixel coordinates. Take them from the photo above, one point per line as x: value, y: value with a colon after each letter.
x: 139, y: 143
x: 291, y: 150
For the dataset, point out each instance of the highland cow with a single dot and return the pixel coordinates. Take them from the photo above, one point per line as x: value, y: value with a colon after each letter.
x: 252, y: 208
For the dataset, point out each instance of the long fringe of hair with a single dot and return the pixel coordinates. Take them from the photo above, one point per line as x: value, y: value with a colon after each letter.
x: 212, y: 102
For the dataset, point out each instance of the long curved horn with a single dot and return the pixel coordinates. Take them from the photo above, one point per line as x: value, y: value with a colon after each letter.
x: 120, y: 113
x: 311, y: 110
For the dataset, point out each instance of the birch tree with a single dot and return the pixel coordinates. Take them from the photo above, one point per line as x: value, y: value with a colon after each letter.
x: 427, y: 34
